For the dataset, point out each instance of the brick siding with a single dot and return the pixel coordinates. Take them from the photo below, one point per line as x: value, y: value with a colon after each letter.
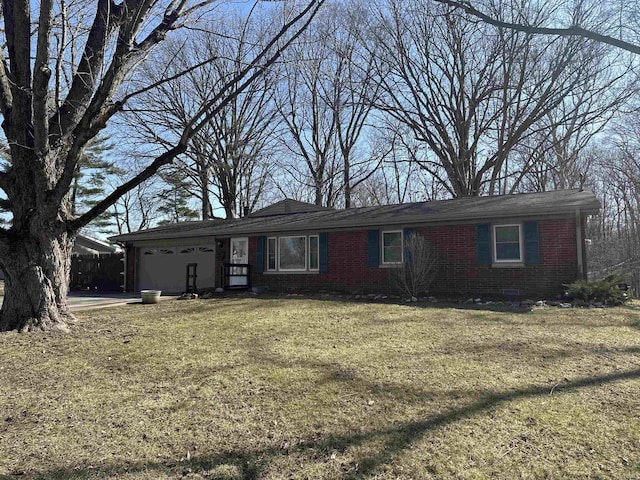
x: 457, y: 272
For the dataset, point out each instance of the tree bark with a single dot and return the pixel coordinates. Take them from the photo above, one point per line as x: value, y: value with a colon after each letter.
x: 37, y: 283
x: 45, y: 146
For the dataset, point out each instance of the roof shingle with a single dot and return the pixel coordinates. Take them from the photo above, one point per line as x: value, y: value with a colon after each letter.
x: 463, y: 210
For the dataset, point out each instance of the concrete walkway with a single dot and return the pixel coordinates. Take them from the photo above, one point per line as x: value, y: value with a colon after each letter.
x: 90, y: 300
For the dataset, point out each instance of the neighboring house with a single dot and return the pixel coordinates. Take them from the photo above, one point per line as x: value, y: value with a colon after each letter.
x: 88, y: 246
x: 521, y: 245
x: 85, y: 245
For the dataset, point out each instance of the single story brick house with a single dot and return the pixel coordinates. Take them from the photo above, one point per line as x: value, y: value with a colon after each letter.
x: 524, y: 245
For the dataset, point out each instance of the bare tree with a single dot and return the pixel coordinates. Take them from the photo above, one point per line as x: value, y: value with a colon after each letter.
x: 356, y: 88
x: 227, y: 159
x: 399, y: 178
x: 52, y: 108
x: 309, y: 121
x: 416, y: 273
x: 472, y: 93
x: 615, y: 233
x: 328, y: 92
x: 573, y: 30
x: 133, y: 211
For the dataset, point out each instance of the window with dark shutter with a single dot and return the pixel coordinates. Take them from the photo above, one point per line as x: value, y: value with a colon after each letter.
x: 324, y: 252
x: 259, y: 267
x: 483, y: 244
x: 531, y: 243
x: 373, y: 248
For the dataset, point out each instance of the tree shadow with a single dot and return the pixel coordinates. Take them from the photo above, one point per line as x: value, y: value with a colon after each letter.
x: 249, y: 464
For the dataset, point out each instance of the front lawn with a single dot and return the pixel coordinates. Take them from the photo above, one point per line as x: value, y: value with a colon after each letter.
x: 243, y: 388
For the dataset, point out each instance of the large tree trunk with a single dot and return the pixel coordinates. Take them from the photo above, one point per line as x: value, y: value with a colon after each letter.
x: 36, y: 284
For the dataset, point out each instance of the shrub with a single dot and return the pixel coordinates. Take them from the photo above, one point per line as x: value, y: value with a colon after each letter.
x: 415, y: 275
x: 606, y: 290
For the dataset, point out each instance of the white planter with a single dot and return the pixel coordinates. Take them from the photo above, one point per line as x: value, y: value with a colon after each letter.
x: 150, y: 296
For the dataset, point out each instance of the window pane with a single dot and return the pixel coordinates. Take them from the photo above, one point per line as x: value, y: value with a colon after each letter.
x: 507, y: 234
x: 313, y: 253
x: 271, y: 254
x: 393, y: 239
x: 392, y: 255
x: 392, y: 247
x: 508, y: 251
x: 507, y: 242
x: 292, y: 253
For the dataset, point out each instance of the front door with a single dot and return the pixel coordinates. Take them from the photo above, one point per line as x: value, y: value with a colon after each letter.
x: 239, y: 254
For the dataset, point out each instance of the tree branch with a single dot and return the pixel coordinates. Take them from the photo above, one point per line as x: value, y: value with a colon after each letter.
x: 41, y: 76
x: 574, y: 30
x: 17, y: 124
x: 210, y: 109
x: 164, y: 159
x: 202, y: 117
x: 89, y: 68
x: 6, y: 97
x: 95, y: 116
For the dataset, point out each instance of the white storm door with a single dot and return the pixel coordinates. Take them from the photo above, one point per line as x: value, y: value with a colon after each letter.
x: 239, y: 254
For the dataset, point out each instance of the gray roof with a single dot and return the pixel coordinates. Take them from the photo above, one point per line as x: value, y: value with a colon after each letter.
x: 462, y: 210
x: 289, y: 206
x: 89, y: 245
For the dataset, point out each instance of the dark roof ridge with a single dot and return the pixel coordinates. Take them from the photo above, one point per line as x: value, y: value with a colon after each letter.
x: 467, y: 209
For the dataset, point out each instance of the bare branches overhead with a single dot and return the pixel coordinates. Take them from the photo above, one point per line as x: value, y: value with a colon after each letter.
x: 572, y: 30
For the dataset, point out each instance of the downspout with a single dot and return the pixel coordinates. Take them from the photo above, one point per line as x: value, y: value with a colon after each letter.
x: 580, y: 245
x: 215, y: 261
x: 125, y: 254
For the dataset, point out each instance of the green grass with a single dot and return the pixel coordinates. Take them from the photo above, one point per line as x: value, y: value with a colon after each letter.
x: 243, y: 388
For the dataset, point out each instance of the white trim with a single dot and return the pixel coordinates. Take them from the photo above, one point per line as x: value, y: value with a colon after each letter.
x: 508, y: 264
x: 494, y: 239
x: 293, y: 272
x: 240, y: 274
x: 307, y: 254
x: 382, y: 233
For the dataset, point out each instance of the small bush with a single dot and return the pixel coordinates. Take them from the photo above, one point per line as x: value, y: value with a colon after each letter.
x: 417, y: 271
x: 606, y: 290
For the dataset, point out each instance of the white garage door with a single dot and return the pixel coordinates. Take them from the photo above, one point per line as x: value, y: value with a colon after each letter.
x: 166, y: 268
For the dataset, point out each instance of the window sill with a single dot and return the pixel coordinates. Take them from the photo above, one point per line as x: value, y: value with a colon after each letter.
x: 390, y: 265
x: 291, y: 272
x: 507, y: 265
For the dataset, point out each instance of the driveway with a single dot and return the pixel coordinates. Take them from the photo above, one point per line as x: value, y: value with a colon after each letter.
x: 89, y: 300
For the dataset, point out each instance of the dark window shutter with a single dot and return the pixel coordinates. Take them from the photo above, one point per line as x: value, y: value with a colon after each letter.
x: 259, y: 268
x: 323, y: 248
x: 406, y: 234
x: 373, y: 248
x: 531, y: 243
x: 483, y: 244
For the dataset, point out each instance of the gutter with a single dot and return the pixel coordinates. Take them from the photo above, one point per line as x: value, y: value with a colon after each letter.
x: 318, y: 224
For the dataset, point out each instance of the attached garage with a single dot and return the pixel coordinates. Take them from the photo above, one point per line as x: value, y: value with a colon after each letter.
x: 175, y: 269
x: 525, y: 245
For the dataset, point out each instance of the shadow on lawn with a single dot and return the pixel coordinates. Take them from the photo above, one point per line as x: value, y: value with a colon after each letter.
x: 397, y: 438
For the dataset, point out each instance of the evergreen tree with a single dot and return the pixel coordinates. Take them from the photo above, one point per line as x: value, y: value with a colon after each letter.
x: 174, y: 198
x: 90, y: 182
